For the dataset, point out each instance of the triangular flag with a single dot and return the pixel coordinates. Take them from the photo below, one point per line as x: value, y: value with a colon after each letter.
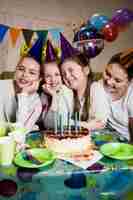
x: 3, y: 30
x: 66, y: 48
x: 14, y: 34
x: 42, y: 34
x: 27, y: 35
x: 36, y: 50
x: 55, y: 32
x: 50, y: 53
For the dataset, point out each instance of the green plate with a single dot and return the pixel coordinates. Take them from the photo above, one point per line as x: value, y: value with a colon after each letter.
x: 45, y: 156
x: 117, y: 150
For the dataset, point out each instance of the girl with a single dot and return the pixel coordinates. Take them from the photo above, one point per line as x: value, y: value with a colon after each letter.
x: 19, y: 101
x: 77, y: 75
x: 116, y: 90
x: 57, y: 99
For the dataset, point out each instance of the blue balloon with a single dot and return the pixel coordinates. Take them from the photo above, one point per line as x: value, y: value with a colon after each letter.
x: 99, y: 21
x: 87, y: 33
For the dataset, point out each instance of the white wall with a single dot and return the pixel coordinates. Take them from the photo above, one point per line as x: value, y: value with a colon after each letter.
x: 43, y: 14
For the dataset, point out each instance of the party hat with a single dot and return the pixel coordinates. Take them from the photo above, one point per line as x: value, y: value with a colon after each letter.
x: 66, y: 48
x: 50, y: 53
x: 36, y: 50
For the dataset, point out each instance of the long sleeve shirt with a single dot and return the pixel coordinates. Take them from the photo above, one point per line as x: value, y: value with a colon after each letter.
x: 21, y: 108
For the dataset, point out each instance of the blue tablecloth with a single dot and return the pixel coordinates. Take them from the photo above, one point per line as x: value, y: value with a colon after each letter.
x: 108, y: 179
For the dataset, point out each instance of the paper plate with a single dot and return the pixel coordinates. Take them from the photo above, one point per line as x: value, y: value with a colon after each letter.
x: 44, y: 156
x: 117, y: 150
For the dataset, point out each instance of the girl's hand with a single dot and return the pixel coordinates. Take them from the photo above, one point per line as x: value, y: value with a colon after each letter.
x: 50, y: 90
x: 93, y: 124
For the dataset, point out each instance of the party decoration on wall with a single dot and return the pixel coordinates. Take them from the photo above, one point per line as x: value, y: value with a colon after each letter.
x: 55, y: 33
x: 3, y: 30
x: 90, y: 37
x: 42, y: 34
x: 27, y: 35
x: 14, y: 34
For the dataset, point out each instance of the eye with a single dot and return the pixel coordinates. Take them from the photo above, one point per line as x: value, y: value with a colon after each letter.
x: 118, y: 80
x: 20, y: 68
x: 57, y: 74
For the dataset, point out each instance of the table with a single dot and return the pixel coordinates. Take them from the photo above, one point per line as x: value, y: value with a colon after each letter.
x: 108, y: 179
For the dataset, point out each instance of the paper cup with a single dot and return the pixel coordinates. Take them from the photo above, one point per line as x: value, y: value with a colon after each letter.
x: 7, y: 150
x: 3, y: 129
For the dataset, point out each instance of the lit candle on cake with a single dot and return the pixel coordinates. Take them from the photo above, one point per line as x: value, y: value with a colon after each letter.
x: 61, y: 124
x: 68, y: 122
x: 76, y: 122
x: 55, y: 122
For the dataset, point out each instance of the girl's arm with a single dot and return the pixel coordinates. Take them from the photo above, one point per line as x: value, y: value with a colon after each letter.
x: 29, y: 109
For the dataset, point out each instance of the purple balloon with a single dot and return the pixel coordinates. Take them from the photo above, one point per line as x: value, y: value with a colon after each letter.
x: 122, y: 16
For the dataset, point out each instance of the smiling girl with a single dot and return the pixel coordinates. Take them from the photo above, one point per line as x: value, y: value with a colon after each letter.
x: 19, y: 101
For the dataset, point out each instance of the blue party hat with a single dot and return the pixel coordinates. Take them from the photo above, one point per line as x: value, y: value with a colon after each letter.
x: 36, y: 50
x: 50, y: 53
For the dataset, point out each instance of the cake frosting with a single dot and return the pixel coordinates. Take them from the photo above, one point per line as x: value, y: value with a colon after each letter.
x: 74, y: 142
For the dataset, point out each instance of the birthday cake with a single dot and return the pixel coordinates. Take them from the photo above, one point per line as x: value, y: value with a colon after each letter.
x: 69, y: 142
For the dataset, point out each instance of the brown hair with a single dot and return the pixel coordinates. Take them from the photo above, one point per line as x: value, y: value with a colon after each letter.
x: 125, y: 60
x: 83, y: 61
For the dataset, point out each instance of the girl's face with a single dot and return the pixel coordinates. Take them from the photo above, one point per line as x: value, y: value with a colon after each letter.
x: 73, y: 74
x: 115, y: 81
x: 27, y: 71
x: 52, y: 75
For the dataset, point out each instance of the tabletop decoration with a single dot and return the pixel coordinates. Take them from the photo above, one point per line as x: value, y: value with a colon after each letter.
x: 8, y: 188
x: 26, y: 174
x: 76, y: 181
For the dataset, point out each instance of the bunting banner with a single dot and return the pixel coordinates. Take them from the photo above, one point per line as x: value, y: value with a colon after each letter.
x: 55, y: 33
x: 14, y: 34
x: 27, y: 35
x: 3, y: 30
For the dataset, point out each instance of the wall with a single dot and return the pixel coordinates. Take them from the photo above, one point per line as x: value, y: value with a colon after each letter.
x: 44, y: 14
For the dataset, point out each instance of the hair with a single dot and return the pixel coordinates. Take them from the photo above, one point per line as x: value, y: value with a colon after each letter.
x: 83, y: 61
x: 125, y: 60
x: 29, y: 56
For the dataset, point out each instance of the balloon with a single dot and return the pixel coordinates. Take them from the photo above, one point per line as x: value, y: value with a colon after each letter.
x: 88, y: 32
x: 122, y: 16
x: 110, y: 32
x: 99, y: 21
x: 91, y: 48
